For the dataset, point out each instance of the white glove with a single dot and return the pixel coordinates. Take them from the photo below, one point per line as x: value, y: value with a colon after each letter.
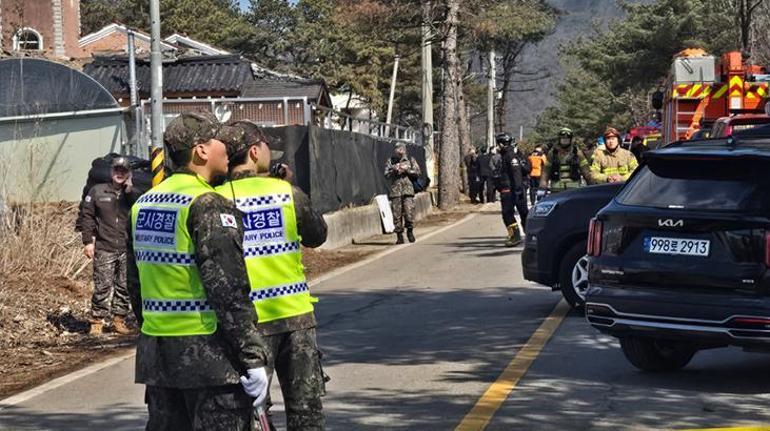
x: 256, y: 384
x: 540, y: 194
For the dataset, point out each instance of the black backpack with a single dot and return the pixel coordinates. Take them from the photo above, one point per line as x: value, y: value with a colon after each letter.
x: 421, y: 184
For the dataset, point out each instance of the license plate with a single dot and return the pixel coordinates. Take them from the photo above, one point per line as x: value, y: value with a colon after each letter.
x: 677, y: 246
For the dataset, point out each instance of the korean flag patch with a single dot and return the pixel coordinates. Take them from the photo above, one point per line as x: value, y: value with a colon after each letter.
x: 228, y: 220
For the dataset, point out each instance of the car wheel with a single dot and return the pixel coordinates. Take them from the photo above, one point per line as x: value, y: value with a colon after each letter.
x: 649, y: 354
x: 573, y: 275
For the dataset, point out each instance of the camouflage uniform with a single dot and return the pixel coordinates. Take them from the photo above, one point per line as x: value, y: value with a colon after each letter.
x: 193, y: 381
x: 110, y: 293
x: 401, y: 192
x: 607, y: 163
x: 292, y: 350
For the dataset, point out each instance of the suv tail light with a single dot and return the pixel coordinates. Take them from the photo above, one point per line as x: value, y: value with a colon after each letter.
x: 767, y: 249
x: 595, y: 237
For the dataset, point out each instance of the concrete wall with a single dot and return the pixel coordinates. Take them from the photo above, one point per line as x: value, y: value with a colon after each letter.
x: 362, y: 222
x: 48, y: 160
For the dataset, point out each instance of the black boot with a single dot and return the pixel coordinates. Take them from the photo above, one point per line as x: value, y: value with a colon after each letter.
x: 399, y: 238
x: 410, y: 235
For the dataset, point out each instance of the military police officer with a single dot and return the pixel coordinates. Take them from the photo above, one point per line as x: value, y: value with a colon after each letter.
x: 564, y: 167
x: 277, y: 218
x: 190, y: 291
x: 612, y: 163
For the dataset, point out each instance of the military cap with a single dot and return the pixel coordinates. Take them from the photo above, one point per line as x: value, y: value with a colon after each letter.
x: 121, y: 162
x: 234, y: 139
x: 252, y: 134
x: 190, y: 129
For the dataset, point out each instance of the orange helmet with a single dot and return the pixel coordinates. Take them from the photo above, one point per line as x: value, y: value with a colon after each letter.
x: 610, y: 132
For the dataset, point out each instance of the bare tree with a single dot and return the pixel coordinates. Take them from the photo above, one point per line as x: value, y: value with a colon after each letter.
x: 744, y: 15
x: 760, y: 42
x: 449, y: 160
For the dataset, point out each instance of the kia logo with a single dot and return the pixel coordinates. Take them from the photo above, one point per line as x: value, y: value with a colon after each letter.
x: 670, y: 222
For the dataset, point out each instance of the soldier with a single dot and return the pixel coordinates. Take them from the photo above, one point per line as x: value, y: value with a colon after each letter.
x: 612, y: 164
x: 565, y: 165
x: 511, y: 170
x: 190, y: 291
x: 104, y: 224
x: 401, y: 170
x: 277, y: 216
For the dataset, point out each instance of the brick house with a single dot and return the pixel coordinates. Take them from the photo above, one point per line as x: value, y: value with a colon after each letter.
x: 113, y: 39
x: 47, y: 27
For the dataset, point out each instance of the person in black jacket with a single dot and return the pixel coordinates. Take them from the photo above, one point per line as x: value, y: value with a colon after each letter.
x: 103, y: 222
x: 472, y: 169
x: 511, y: 171
x: 486, y: 184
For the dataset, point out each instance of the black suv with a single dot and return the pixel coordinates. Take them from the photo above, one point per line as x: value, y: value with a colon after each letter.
x: 679, y: 259
x: 555, y: 245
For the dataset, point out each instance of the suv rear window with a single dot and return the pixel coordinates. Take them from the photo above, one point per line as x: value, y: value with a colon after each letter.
x: 698, y: 184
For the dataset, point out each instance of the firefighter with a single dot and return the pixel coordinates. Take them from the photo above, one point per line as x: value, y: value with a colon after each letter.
x: 511, y: 170
x: 564, y: 167
x: 612, y: 164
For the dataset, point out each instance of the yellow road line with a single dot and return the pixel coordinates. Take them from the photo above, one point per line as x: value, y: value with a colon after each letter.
x: 749, y: 428
x: 486, y: 407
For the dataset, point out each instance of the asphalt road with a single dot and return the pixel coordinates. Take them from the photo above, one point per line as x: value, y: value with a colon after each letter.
x: 414, y: 339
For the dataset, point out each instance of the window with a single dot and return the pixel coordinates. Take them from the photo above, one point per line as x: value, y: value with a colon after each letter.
x: 718, y: 185
x: 28, y: 39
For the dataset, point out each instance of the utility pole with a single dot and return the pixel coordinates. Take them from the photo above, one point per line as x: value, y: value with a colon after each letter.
x: 156, y: 95
x: 134, y: 96
x: 392, y: 94
x: 491, y: 101
x: 427, y: 93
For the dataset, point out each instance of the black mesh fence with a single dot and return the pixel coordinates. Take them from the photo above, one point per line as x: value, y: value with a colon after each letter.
x: 337, y: 168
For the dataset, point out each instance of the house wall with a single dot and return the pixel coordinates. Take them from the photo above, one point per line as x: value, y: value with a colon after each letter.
x: 40, y: 15
x: 48, y: 160
x: 117, y: 41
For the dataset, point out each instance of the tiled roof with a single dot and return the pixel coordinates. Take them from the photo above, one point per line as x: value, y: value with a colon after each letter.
x: 283, y: 88
x: 225, y: 74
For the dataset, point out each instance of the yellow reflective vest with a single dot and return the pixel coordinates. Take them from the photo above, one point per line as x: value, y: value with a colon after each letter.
x: 173, y: 299
x: 271, y: 247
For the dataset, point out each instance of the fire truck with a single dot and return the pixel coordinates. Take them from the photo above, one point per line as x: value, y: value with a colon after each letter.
x: 700, y: 90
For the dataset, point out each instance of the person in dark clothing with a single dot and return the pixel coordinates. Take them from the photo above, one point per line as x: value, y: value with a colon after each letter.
x: 474, y: 179
x: 638, y: 148
x: 511, y: 170
x: 104, y: 222
x: 204, y: 367
x: 486, y: 185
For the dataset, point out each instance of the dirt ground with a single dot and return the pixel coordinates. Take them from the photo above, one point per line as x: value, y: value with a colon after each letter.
x: 43, y: 324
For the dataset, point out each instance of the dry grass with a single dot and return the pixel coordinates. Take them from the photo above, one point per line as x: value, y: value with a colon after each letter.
x: 36, y: 237
x: 41, y: 271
